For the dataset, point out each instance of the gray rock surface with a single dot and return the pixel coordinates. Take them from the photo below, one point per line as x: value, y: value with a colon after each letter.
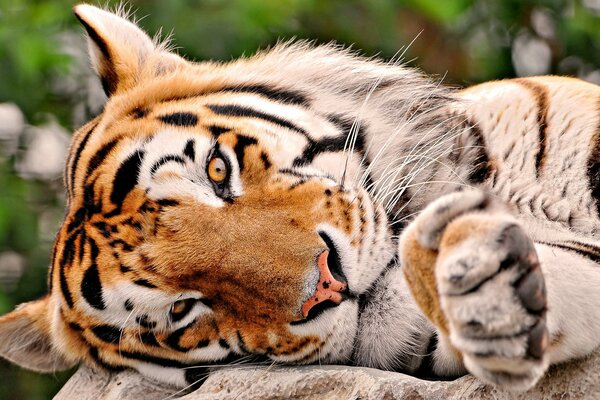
x: 578, y: 379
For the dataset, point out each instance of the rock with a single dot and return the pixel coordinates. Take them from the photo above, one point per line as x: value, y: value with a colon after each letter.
x: 579, y: 379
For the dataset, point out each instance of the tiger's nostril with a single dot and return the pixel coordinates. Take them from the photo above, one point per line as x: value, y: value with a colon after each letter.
x: 333, y: 259
x: 330, y: 290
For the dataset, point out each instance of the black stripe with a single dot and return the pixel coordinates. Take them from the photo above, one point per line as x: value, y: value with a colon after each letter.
x: 335, y: 144
x: 217, y: 131
x: 64, y: 287
x: 149, y: 338
x: 242, y: 343
x: 144, y: 320
x: 68, y: 253
x: 345, y: 125
x: 75, y: 326
x: 190, y: 150
x: 540, y: 94
x: 583, y: 249
x: 296, y: 184
x: 165, y: 362
x: 166, y: 159
x: 66, y: 260
x: 91, y: 287
x: 139, y: 112
x: 77, y: 155
x: 49, y: 278
x: 480, y: 171
x: 275, y: 94
x: 265, y: 159
x: 232, y: 110
x: 145, y: 283
x: 124, y: 245
x: 82, y: 243
x: 173, y: 340
x: 593, y: 167
x: 180, y: 119
x: 312, y: 149
x: 168, y: 202
x: 104, y: 228
x: 90, y: 205
x: 77, y: 219
x: 298, y: 174
x: 107, y: 333
x: 126, y: 177
x: 99, y: 157
x: 240, y: 148
x: 95, y: 37
x: 107, y: 73
x: 95, y: 356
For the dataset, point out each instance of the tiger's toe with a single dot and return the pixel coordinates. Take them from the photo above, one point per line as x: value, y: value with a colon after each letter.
x: 493, y: 293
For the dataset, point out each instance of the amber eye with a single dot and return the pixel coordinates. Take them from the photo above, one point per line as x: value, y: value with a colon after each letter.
x: 178, y: 307
x: 181, y: 308
x: 217, y: 170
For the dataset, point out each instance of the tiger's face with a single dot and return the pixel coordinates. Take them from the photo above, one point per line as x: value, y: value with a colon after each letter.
x: 209, y: 218
x: 206, y: 241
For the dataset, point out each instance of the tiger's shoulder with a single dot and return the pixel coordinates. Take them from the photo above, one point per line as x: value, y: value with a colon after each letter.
x: 541, y: 139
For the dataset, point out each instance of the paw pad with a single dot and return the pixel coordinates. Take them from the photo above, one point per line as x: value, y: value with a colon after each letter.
x: 531, y: 290
x: 538, y: 340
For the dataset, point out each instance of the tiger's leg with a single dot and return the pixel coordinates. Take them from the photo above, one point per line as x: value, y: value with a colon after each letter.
x: 504, y: 305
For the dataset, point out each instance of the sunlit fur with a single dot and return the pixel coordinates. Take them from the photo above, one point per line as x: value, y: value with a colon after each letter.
x: 156, y: 269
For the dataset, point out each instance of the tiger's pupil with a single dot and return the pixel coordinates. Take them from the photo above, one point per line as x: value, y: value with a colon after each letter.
x: 217, y: 170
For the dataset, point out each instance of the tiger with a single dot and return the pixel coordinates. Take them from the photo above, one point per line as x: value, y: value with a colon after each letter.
x: 310, y: 205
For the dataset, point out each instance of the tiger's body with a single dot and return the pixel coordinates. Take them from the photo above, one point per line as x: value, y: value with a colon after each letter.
x: 217, y: 211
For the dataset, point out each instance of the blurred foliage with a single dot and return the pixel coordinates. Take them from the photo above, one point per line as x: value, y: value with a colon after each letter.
x: 467, y: 41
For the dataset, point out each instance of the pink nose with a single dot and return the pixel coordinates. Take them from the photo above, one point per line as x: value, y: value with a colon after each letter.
x: 328, y: 287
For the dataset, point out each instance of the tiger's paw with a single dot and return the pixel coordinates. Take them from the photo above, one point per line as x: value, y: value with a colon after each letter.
x: 489, y: 287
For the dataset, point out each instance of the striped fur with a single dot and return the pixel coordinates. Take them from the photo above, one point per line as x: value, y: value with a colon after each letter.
x: 159, y: 268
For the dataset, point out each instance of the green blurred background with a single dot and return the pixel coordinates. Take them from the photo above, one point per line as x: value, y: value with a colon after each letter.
x: 46, y: 89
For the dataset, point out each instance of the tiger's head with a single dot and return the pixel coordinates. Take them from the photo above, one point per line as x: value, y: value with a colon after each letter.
x: 214, y: 211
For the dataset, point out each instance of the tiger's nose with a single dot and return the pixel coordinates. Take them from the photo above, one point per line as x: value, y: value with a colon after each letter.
x: 329, y: 289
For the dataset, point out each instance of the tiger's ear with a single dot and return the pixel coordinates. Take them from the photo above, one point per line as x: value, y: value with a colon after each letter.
x: 120, y: 52
x: 25, y: 338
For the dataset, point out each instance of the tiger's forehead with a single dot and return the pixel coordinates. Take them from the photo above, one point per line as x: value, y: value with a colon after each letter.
x: 285, y: 130
x: 215, y: 114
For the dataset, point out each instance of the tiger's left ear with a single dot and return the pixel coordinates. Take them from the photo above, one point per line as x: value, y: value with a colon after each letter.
x: 25, y: 338
x: 120, y: 52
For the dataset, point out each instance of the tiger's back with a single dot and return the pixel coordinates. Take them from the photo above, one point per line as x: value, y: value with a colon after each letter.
x: 540, y: 137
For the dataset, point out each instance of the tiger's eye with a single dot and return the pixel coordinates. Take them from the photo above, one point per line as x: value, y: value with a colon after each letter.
x: 179, y: 306
x: 217, y: 170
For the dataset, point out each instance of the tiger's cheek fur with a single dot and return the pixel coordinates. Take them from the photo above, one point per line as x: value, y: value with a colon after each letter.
x: 253, y: 265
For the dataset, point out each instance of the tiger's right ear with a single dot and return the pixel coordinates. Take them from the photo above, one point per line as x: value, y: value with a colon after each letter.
x: 25, y: 338
x: 120, y: 51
